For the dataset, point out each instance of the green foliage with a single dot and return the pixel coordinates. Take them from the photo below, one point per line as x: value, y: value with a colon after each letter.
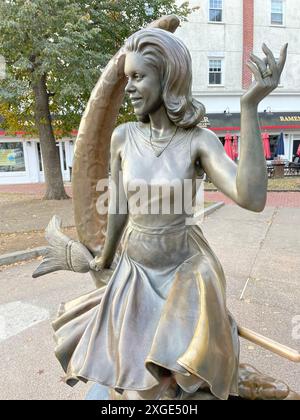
x: 70, y: 41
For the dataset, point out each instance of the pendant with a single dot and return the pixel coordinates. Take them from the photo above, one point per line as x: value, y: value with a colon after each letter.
x: 158, y: 153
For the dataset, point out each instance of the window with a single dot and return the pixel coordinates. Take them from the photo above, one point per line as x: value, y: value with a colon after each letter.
x: 215, y: 72
x: 12, y: 157
x: 277, y: 12
x: 215, y: 10
x: 40, y: 157
x: 63, y: 147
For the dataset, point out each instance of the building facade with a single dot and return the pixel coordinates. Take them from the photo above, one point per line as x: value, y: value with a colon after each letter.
x: 21, y: 161
x: 220, y: 35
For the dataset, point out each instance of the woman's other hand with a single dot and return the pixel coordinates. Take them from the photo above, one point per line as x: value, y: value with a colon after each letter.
x: 97, y: 264
x: 267, y: 74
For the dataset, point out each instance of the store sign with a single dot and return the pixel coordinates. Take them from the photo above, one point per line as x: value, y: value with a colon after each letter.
x: 280, y: 119
x: 290, y: 118
x: 267, y: 119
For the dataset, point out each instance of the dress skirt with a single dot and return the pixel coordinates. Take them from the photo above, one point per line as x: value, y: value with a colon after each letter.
x: 162, y: 312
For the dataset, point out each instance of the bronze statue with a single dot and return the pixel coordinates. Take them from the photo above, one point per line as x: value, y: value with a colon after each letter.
x: 160, y: 327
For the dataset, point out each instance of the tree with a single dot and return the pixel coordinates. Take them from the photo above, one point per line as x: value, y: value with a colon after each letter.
x: 54, y: 53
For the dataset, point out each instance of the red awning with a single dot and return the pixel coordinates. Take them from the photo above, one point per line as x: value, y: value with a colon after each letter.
x: 266, y: 145
x: 228, y: 146
x: 235, y: 147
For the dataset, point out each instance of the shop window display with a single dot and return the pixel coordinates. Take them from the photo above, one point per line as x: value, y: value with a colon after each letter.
x: 12, y: 157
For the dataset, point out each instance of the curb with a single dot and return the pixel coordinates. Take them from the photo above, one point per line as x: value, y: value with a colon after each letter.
x: 8, y: 259
x: 209, y: 210
x: 273, y: 191
x: 284, y: 191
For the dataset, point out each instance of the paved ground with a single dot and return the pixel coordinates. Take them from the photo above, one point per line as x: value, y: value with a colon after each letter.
x: 26, y: 213
x: 274, y: 199
x: 24, y: 217
x: 28, y: 367
x: 33, y: 189
x: 263, y: 247
x: 280, y: 199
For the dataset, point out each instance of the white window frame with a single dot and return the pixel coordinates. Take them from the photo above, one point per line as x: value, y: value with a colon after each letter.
x: 216, y: 58
x: 283, y: 14
x: 222, y: 12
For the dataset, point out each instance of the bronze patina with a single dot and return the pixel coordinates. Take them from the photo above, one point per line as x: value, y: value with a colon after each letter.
x: 157, y: 325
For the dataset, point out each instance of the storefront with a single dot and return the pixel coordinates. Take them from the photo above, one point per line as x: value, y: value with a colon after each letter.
x: 21, y: 160
x: 272, y: 123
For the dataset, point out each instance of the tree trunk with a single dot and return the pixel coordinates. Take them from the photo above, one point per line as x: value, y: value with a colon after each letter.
x: 50, y: 154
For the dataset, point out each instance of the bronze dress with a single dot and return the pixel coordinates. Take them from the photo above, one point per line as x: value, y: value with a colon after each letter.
x: 164, y: 309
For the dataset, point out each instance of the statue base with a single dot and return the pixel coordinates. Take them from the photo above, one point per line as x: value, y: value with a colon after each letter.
x: 253, y: 385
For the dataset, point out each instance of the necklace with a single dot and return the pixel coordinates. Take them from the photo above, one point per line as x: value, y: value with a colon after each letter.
x: 158, y: 153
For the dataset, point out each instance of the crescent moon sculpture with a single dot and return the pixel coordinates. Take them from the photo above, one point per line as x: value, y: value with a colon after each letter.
x: 90, y: 165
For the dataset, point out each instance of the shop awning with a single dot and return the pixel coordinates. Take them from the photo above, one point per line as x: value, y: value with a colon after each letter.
x: 272, y: 121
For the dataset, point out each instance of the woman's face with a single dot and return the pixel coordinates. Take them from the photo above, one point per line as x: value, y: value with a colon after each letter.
x: 144, y: 85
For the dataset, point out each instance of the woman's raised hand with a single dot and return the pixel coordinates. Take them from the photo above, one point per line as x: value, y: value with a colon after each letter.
x: 267, y: 74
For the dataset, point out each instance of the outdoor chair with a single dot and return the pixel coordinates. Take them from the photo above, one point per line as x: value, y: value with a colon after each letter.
x: 294, y: 167
x: 270, y: 169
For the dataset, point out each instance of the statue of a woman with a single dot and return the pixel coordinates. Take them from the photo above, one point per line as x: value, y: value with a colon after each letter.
x: 161, y: 326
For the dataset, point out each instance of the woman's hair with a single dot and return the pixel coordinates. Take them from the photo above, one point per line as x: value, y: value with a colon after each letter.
x: 172, y: 59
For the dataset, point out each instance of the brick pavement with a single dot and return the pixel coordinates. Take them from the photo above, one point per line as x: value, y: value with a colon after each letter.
x: 31, y: 189
x: 275, y: 199
x: 264, y: 245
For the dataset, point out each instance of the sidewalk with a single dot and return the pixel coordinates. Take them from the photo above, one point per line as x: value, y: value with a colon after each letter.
x: 31, y: 189
x: 275, y: 199
x: 24, y: 216
x: 264, y: 247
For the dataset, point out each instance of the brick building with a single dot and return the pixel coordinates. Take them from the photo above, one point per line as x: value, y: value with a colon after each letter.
x: 220, y: 35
